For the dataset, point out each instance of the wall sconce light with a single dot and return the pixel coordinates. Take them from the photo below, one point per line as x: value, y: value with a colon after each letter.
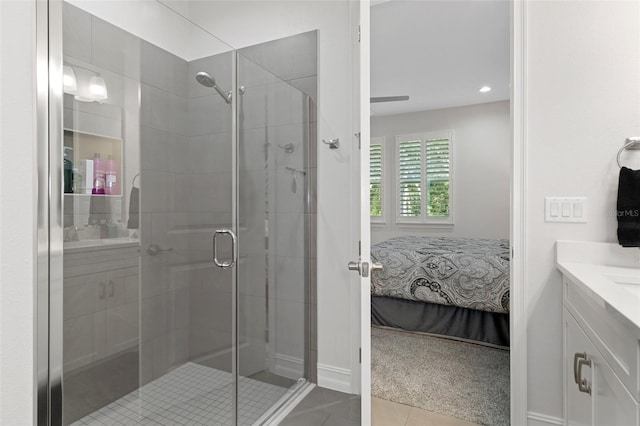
x: 97, y: 88
x: 86, y: 87
x: 69, y: 80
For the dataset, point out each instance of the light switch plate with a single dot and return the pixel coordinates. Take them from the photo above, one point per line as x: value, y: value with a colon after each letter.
x: 565, y: 209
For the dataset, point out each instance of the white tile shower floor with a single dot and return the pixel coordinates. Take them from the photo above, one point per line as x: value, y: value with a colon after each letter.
x: 192, y: 394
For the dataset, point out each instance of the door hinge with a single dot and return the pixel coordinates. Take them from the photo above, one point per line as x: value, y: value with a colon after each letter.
x: 358, y: 33
x: 360, y: 355
x: 359, y: 140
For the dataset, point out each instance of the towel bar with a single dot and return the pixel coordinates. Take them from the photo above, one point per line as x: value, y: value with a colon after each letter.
x: 630, y: 143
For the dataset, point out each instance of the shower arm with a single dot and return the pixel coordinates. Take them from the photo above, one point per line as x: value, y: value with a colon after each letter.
x: 225, y: 96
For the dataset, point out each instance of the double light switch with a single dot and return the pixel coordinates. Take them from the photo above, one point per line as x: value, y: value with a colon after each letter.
x: 565, y: 209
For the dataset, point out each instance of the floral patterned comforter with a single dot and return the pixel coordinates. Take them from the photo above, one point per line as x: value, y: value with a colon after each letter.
x: 465, y: 272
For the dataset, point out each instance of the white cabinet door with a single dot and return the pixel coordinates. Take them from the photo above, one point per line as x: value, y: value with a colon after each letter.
x: 579, y: 405
x: 84, y: 300
x: 613, y: 404
x: 121, y: 317
x: 609, y: 402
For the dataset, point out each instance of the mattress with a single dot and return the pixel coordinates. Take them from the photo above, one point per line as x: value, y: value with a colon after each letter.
x: 465, y: 272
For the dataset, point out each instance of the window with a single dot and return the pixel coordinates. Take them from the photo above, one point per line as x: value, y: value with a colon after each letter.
x: 424, y: 178
x: 376, y: 182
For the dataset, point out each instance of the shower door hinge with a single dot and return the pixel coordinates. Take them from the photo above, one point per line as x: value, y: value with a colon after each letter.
x: 358, y: 33
x: 359, y: 139
x: 360, y: 355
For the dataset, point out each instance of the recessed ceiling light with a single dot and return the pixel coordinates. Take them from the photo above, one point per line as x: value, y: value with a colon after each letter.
x: 485, y: 89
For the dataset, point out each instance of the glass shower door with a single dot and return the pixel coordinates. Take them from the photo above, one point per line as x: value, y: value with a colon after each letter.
x: 165, y: 147
x: 276, y: 222
x: 148, y: 318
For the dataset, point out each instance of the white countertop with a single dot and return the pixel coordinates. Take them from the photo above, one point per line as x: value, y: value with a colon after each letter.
x: 609, y: 273
x: 105, y: 243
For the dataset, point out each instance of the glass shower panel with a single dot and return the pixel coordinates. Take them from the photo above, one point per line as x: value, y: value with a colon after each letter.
x: 276, y: 219
x: 148, y: 319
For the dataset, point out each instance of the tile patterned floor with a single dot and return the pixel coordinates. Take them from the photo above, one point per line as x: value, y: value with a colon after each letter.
x: 192, y: 394
x: 324, y: 407
x: 388, y: 413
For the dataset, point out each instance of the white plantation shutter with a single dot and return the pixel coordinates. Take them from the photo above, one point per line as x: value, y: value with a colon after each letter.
x: 410, y: 178
x: 375, y: 180
x: 437, y: 175
x: 424, y: 178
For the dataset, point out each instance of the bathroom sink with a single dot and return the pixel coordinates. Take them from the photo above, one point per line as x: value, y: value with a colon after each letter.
x: 625, y: 279
x: 608, y: 272
x: 630, y: 282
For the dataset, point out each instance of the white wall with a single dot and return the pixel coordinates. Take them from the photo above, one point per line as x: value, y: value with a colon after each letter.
x: 247, y: 23
x: 582, y: 101
x: 17, y: 211
x: 481, y: 169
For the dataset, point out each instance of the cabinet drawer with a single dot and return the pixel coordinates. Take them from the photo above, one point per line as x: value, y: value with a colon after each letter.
x: 613, y: 335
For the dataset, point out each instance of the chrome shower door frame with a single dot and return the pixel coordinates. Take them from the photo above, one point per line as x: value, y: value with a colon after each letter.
x: 49, y: 106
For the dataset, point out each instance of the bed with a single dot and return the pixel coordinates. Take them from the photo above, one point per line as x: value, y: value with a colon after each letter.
x: 456, y: 287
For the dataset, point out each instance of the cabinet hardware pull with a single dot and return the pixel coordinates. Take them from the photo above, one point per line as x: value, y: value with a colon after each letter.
x: 583, y: 385
x: 576, y: 357
x: 103, y: 290
x: 111, y: 288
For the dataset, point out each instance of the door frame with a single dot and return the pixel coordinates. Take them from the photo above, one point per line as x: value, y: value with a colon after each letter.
x: 518, y: 277
x: 361, y: 151
x: 517, y: 231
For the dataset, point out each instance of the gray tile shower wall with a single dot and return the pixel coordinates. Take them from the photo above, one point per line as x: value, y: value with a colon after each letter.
x: 165, y: 290
x: 147, y: 109
x: 273, y: 183
x: 203, y: 202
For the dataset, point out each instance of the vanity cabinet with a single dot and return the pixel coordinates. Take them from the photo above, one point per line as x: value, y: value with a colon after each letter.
x: 100, y: 299
x: 601, y: 356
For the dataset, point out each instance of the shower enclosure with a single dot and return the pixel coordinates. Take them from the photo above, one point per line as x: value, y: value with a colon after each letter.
x: 183, y: 181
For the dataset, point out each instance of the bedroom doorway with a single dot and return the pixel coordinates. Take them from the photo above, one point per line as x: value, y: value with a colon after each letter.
x: 440, y: 160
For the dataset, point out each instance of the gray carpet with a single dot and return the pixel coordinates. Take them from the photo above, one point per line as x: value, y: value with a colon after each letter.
x: 459, y: 379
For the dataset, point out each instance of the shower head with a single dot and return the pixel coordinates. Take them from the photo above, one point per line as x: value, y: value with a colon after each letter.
x: 207, y: 80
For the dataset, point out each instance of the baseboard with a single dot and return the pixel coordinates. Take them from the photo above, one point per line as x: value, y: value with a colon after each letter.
x: 334, y: 378
x: 538, y: 419
x: 288, y: 366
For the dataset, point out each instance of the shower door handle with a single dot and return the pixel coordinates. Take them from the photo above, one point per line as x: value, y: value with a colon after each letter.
x: 231, y: 262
